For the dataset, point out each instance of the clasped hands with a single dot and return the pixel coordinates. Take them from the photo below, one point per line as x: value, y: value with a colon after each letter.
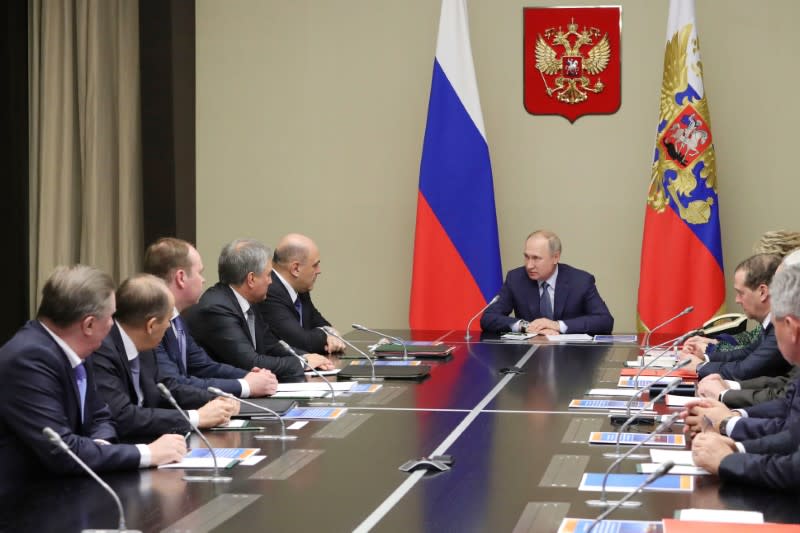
x: 543, y: 326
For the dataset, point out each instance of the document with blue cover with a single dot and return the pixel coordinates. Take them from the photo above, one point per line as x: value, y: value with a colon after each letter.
x: 665, y: 439
x: 629, y: 482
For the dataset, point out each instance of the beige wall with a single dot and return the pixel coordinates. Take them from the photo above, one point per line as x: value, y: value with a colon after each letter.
x: 311, y: 114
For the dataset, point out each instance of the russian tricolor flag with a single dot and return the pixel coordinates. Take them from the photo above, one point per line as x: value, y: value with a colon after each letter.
x: 456, y: 249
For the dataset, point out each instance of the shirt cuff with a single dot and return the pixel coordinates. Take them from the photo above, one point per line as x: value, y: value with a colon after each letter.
x: 733, y: 385
x: 741, y: 413
x: 515, y: 327
x: 194, y: 417
x: 245, y: 389
x: 731, y: 424
x: 562, y: 327
x: 144, y: 455
x: 740, y: 447
x: 102, y: 442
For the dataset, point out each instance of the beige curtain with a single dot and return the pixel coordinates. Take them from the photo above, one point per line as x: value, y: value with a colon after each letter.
x: 85, y: 137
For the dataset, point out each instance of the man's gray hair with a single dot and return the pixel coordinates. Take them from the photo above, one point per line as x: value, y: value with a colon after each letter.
x: 241, y: 257
x: 553, y: 242
x: 785, y: 292
x: 74, y: 292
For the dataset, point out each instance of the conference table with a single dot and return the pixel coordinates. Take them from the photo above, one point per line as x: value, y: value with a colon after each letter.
x: 499, y: 409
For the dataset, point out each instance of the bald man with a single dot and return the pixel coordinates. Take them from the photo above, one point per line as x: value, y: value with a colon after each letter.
x: 288, y: 309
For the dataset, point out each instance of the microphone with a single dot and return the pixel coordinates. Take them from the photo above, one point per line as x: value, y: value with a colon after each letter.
x: 330, y: 331
x: 56, y: 439
x: 282, y: 436
x: 665, y: 467
x: 303, y: 364
x: 669, y: 388
x: 603, y: 501
x: 215, y: 477
x: 395, y: 339
x: 479, y: 313
x: 650, y: 331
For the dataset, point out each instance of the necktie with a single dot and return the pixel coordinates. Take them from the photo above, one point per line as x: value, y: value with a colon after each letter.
x: 136, y: 371
x: 298, y: 305
x: 545, y: 305
x: 80, y: 379
x: 251, y: 323
x: 180, y: 334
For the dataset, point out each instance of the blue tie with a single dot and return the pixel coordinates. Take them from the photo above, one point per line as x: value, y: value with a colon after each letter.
x: 298, y: 305
x: 80, y: 379
x: 545, y: 306
x: 136, y: 372
x: 180, y: 334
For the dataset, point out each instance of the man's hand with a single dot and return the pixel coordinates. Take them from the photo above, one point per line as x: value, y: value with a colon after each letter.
x: 695, y: 361
x: 334, y: 345
x: 541, y: 324
x: 217, y: 411
x: 697, y: 345
x: 711, y: 386
x: 167, y: 449
x: 261, y: 382
x: 320, y: 362
x: 696, y: 410
x: 709, y: 449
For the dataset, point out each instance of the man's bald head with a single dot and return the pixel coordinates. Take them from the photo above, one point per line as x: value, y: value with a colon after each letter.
x: 296, y: 259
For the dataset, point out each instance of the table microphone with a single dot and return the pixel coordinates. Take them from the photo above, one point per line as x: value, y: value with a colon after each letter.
x: 650, y: 331
x: 479, y: 313
x: 395, y: 339
x: 215, y: 477
x: 56, y: 439
x: 603, y: 501
x: 304, y: 364
x: 665, y: 467
x: 282, y: 436
x: 330, y: 331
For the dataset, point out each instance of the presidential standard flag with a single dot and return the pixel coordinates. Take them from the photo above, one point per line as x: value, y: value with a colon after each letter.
x: 456, y: 249
x: 681, y: 261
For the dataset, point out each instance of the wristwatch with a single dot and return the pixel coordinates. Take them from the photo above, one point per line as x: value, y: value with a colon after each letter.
x: 723, y: 426
x: 523, y: 326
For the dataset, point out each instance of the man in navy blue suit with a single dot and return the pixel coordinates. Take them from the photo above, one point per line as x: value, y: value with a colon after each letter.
x: 768, y: 451
x: 46, y: 384
x: 180, y: 359
x: 548, y: 297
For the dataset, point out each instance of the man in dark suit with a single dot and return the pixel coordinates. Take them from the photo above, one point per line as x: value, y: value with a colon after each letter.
x: 288, y: 309
x: 127, y: 373
x: 226, y: 324
x: 46, y: 384
x: 772, y: 460
x: 548, y: 297
x: 762, y: 357
x: 180, y: 359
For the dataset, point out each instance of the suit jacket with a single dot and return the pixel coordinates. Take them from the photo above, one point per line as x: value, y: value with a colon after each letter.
x: 38, y: 391
x: 284, y: 321
x: 778, y: 471
x: 576, y: 302
x: 115, y: 383
x: 761, y: 358
x: 760, y: 389
x: 769, y: 418
x: 219, y: 326
x: 199, y: 372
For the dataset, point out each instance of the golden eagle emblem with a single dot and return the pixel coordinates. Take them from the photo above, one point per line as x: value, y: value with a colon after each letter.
x: 572, y: 85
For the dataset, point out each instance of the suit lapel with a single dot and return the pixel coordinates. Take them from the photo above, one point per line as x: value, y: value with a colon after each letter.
x: 234, y: 304
x: 123, y: 356
x: 531, y: 298
x: 171, y: 345
x: 560, y: 297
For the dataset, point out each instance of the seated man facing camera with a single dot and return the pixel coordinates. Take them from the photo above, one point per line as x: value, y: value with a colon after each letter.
x: 548, y: 297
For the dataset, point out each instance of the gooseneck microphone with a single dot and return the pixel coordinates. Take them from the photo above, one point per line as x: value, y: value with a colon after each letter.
x: 395, y: 339
x: 304, y: 364
x: 56, y: 439
x: 603, y: 501
x: 479, y: 313
x: 216, y: 478
x: 330, y: 331
x: 650, y: 331
x: 282, y: 436
x: 665, y: 467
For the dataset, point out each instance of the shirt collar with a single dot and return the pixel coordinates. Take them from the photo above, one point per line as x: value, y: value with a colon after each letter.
x: 72, y: 357
x: 127, y: 342
x: 243, y: 303
x: 289, y: 288
x: 766, y: 321
x: 552, y: 279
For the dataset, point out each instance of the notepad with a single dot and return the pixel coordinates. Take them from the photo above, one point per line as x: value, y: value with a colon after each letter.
x: 581, y: 525
x: 517, y: 336
x: 315, y: 413
x: 612, y: 392
x: 630, y: 482
x: 570, y: 337
x: 679, y: 457
x: 627, y: 438
x: 605, y: 404
x: 615, y: 338
x: 649, y: 468
x: 644, y: 381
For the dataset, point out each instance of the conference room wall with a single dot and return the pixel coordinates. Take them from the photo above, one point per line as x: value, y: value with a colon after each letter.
x: 311, y: 115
